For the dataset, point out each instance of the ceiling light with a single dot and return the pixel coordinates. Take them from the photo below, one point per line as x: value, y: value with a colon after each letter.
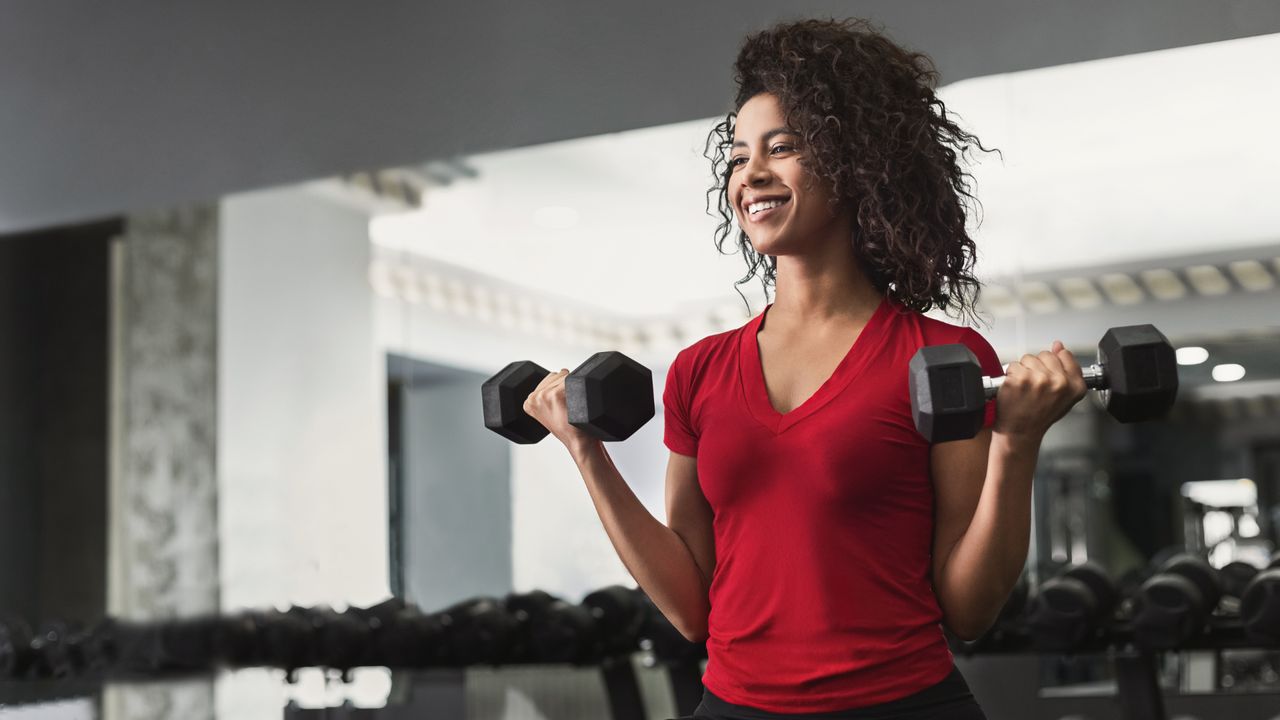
x: 1192, y: 355
x: 1208, y: 280
x: 1079, y: 293
x: 555, y: 217
x: 1228, y: 372
x: 380, y: 279
x: 405, y: 282
x: 1252, y: 275
x: 1039, y: 297
x: 1163, y: 284
x: 457, y: 298
x: 1121, y: 289
x: 483, y: 298
x: 1000, y: 301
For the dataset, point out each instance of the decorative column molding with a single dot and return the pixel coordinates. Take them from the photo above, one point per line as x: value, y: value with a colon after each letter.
x: 164, y: 541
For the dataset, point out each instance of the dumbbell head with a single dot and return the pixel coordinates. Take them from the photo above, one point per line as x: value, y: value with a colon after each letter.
x: 288, y: 640
x: 620, y: 613
x: 59, y: 649
x: 1173, y: 605
x: 1068, y: 609
x: 1235, y: 576
x: 1260, y: 607
x: 405, y: 637
x: 479, y: 631
x: 550, y: 630
x: 503, y: 397
x: 1141, y: 373
x: 344, y: 640
x: 947, y: 399
x: 610, y: 396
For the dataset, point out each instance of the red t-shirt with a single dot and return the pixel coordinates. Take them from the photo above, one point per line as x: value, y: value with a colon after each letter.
x: 821, y: 598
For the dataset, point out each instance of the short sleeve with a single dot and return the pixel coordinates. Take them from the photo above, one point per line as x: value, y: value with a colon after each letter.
x: 678, y: 432
x: 990, y: 363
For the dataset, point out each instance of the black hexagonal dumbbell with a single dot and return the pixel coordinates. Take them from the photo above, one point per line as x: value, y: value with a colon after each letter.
x: 406, y: 637
x: 620, y: 613
x: 1234, y: 577
x: 1136, y: 377
x: 1068, y: 609
x: 551, y: 630
x: 1174, y: 605
x: 1260, y: 605
x: 479, y: 631
x: 609, y: 396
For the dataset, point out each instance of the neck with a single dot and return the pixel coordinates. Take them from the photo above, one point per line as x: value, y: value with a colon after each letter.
x: 825, y: 285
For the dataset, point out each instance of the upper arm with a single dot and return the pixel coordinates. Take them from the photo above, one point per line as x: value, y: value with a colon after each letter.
x: 689, y: 514
x: 958, y: 470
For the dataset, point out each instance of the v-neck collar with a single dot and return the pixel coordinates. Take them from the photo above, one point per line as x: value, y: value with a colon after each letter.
x: 751, y: 371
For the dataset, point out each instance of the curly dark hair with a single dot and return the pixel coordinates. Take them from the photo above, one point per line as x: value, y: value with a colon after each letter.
x: 864, y: 109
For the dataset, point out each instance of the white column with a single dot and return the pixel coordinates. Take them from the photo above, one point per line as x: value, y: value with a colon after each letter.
x: 163, y: 555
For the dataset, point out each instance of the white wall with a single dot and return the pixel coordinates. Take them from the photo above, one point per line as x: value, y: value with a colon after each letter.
x: 301, y: 435
x: 558, y: 543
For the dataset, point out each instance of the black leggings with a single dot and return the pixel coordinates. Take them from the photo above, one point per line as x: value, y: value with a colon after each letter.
x: 948, y: 700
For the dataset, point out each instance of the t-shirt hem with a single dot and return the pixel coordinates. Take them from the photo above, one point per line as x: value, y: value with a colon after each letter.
x: 823, y: 703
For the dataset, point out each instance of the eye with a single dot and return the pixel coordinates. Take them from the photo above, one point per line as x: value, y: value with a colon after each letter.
x: 733, y: 162
x: 782, y: 147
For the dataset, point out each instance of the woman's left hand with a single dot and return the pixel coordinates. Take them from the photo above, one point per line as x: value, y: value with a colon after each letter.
x: 1037, y: 391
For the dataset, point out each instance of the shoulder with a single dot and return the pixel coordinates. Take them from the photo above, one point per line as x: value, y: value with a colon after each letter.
x: 934, y: 330
x: 709, y: 350
x: 929, y: 330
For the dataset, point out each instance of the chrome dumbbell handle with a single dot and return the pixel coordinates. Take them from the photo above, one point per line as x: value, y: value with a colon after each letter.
x: 1094, y: 378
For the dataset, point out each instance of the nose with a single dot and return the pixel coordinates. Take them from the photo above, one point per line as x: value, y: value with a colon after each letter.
x: 755, y: 173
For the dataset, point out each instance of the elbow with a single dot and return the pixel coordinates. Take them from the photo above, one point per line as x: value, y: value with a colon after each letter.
x: 694, y: 632
x: 697, y: 636
x: 968, y: 629
x: 967, y: 633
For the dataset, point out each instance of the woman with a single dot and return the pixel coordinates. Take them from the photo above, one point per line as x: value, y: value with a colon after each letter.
x: 814, y: 539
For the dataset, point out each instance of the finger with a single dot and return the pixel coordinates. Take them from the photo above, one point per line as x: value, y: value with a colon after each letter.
x: 545, y: 381
x: 1072, y: 367
x: 1032, y: 363
x: 1051, y: 362
x: 1066, y: 357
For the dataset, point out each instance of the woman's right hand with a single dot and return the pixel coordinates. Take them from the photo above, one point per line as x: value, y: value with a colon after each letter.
x: 548, y: 406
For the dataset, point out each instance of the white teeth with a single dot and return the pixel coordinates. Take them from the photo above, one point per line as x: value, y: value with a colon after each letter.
x: 754, y: 208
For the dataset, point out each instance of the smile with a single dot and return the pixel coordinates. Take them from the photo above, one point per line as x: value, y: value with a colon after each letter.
x: 758, y: 212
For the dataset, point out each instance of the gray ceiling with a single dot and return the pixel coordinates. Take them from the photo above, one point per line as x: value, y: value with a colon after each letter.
x: 106, y: 107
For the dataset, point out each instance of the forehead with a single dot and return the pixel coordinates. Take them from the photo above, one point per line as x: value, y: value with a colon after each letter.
x: 758, y: 116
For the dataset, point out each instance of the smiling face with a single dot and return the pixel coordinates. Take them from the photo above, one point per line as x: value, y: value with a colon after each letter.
x: 778, y: 204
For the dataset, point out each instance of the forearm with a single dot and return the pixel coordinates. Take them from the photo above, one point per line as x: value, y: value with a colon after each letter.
x: 653, y: 553
x: 985, y: 563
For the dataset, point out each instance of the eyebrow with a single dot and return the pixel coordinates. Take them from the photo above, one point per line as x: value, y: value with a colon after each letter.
x: 767, y: 136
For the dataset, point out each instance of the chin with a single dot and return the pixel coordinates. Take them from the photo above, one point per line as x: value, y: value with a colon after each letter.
x: 775, y: 244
